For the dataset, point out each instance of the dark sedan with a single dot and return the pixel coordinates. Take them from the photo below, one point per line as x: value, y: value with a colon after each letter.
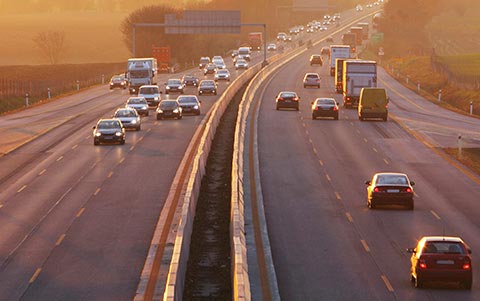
x: 109, y: 131
x: 390, y: 188
x: 118, y: 81
x: 190, y: 80
x: 287, y: 99
x: 174, y: 85
x: 207, y: 87
x: 169, y: 108
x: 324, y: 107
x: 441, y: 259
x: 190, y: 104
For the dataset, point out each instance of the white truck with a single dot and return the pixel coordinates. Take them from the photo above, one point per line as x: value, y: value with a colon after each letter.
x: 141, y: 71
x: 338, y: 52
x: 357, y: 74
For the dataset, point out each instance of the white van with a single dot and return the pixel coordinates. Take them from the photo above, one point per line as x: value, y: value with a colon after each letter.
x: 151, y: 93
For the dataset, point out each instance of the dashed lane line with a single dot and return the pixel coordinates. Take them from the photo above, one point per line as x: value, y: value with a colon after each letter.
x: 435, y: 214
x: 110, y: 174
x: 75, y: 146
x: 96, y: 191
x: 349, y: 217
x: 337, y: 195
x: 387, y: 283
x: 22, y: 188
x: 60, y: 239
x: 35, y: 275
x: 59, y: 158
x: 365, y: 245
x: 80, y: 212
x: 42, y: 172
x: 386, y: 161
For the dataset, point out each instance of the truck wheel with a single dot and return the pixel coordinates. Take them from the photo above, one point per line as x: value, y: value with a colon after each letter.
x: 385, y: 118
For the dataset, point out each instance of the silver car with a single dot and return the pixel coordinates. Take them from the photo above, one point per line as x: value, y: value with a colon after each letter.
x: 129, y: 118
x: 139, y: 104
x: 222, y: 74
x: 241, y: 64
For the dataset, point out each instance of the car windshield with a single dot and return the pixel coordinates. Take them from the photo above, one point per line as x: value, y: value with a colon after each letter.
x: 188, y: 77
x: 108, y: 124
x: 204, y: 60
x: 444, y: 247
x: 174, y: 82
x: 168, y: 105
x: 148, y: 90
x: 222, y: 72
x: 392, y: 179
x: 187, y: 99
x: 117, y: 78
x: 312, y: 76
x: 139, y: 73
x: 208, y: 84
x: 137, y: 101
x: 287, y: 95
x: 125, y: 113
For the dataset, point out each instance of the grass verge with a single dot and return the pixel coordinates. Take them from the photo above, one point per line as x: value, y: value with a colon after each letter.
x: 470, y: 157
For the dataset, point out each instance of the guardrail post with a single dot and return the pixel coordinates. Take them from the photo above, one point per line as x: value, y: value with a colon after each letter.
x: 78, y: 85
x: 440, y: 95
x: 408, y: 79
x: 471, y: 107
x: 418, y: 87
x: 103, y: 79
x: 49, y: 94
x: 26, y: 100
x: 460, y: 144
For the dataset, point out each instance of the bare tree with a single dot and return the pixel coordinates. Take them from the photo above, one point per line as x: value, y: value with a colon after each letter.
x: 52, y: 45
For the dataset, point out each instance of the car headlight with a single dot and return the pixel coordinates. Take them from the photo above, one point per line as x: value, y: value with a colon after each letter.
x: 159, y: 111
x: 111, y: 84
x: 134, y: 121
x: 168, y: 88
x: 144, y: 107
x: 98, y: 134
x: 118, y: 134
x: 175, y: 111
x: 195, y: 107
x: 156, y: 98
x: 123, y: 84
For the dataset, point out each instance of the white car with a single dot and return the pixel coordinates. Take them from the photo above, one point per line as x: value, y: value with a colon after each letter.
x: 151, y: 93
x: 222, y: 74
x: 272, y: 47
x: 241, y: 64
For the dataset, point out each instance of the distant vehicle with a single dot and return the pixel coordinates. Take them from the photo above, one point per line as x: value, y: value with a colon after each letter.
x: 287, y: 99
x: 138, y: 103
x: 337, y: 52
x: 350, y: 39
x: 324, y: 107
x: 339, y: 75
x: 151, y: 93
x: 140, y: 72
x: 255, y: 40
x: 219, y: 62
x: 174, y: 85
x: 325, y: 50
x: 272, y: 47
x: 234, y: 53
x: 190, y: 104
x: 207, y: 87
x: 373, y: 103
x: 162, y: 54
x: 281, y: 37
x: 244, y: 52
x: 359, y: 8
x: 118, y: 81
x: 169, y: 108
x: 365, y: 29
x: 210, y: 69
x: 311, y: 79
x: 316, y: 59
x: 129, y: 118
x: 376, y: 19
x: 241, y: 64
x: 190, y: 80
x: 358, y: 31
x: 108, y: 131
x: 204, y: 61
x: 329, y: 39
x: 222, y: 74
x: 357, y: 74
x: 441, y: 259
x: 388, y: 188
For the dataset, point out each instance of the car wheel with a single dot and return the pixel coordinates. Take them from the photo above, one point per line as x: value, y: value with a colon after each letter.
x: 122, y: 142
x: 336, y: 117
x: 179, y: 117
x: 318, y: 86
x: 304, y: 86
x: 371, y: 204
x: 313, y: 117
x: 385, y: 118
x: 467, y: 285
x: 410, y: 205
x: 146, y: 114
x: 297, y: 108
x: 96, y: 142
x: 138, y: 128
x: 158, y: 117
x: 166, y: 92
x: 278, y: 108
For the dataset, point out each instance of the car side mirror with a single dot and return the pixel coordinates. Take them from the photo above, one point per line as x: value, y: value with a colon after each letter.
x: 412, y: 183
x: 94, y: 127
x: 368, y: 183
x: 411, y: 250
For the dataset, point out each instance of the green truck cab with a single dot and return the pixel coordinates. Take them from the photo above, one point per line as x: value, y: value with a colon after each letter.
x: 373, y: 103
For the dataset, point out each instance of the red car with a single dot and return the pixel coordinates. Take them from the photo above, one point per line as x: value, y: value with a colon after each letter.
x: 441, y: 259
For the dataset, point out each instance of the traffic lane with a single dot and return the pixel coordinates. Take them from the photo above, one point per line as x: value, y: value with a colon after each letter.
x: 440, y: 126
x: 136, y: 196
x: 393, y: 229
x: 314, y: 248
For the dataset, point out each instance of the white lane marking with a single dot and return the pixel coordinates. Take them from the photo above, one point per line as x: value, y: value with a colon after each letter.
x: 315, y: 151
x: 387, y: 283
x: 121, y: 160
x: 375, y: 150
x: 88, y: 137
x: 132, y: 147
x: 365, y: 139
x: 1, y: 206
x: 351, y: 123
x: 22, y: 188
x: 338, y: 195
x: 306, y: 132
x: 358, y: 131
x: 148, y: 131
x: 435, y: 214
x: 96, y: 191
x: 80, y: 212
x: 110, y: 174
x: 35, y: 275
x: 349, y: 217
x: 328, y: 177
x: 59, y: 158
x: 140, y: 139
x: 60, y: 239
x: 310, y: 140
x: 303, y: 124
x: 320, y: 162
x: 365, y: 245
x: 42, y: 172
x: 386, y: 161
x: 75, y: 146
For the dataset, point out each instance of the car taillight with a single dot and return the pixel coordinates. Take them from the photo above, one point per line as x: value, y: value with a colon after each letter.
x: 295, y: 99
x: 348, y: 98
x: 317, y: 80
x: 422, y: 264
x: 466, y: 266
x: 376, y: 189
x: 280, y: 98
x: 408, y: 190
x: 335, y: 108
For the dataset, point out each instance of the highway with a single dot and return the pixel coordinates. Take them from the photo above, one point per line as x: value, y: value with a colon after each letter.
x: 326, y: 244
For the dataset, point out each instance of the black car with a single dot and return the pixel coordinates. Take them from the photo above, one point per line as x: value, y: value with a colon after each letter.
x: 388, y: 188
x: 207, y: 87
x: 190, y: 80
x: 324, y: 107
x: 174, y: 85
x: 109, y: 131
x: 210, y: 69
x: 189, y: 104
x: 287, y: 99
x: 118, y: 81
x: 169, y: 108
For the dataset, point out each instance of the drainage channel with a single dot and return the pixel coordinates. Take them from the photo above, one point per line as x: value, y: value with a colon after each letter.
x: 208, y: 272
